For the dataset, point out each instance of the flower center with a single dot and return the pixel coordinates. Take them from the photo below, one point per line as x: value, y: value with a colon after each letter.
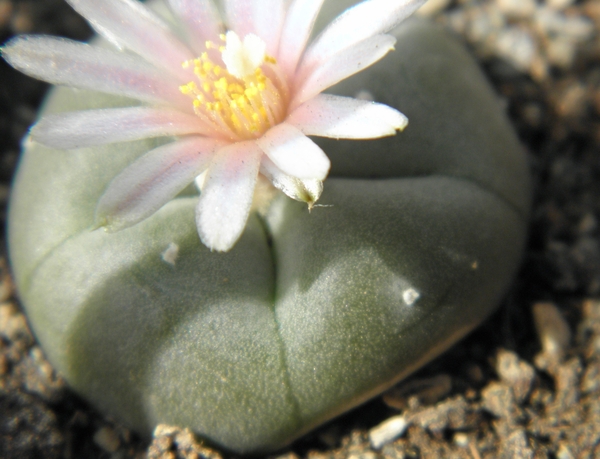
x: 244, y: 99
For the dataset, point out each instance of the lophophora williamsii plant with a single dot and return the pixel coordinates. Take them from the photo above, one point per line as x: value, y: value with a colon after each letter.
x: 281, y: 314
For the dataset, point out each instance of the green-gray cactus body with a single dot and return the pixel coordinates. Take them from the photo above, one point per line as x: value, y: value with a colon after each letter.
x: 310, y: 314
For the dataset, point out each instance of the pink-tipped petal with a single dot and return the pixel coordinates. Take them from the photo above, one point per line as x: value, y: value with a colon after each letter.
x: 299, y: 22
x: 86, y: 128
x: 294, y: 153
x: 153, y: 180
x: 201, y: 21
x: 358, y: 23
x: 307, y: 191
x: 345, y: 118
x: 227, y: 195
x: 341, y: 66
x: 131, y: 25
x: 67, y: 62
x: 263, y: 18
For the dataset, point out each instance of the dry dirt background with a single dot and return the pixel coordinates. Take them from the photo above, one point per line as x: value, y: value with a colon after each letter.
x: 524, y: 385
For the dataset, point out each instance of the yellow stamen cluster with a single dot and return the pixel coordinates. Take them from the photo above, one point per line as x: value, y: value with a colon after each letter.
x: 244, y: 107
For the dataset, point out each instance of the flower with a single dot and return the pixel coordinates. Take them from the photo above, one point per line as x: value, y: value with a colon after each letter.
x: 239, y: 102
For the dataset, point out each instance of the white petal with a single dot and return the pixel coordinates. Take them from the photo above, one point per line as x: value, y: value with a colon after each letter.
x: 341, y: 66
x: 201, y: 21
x: 298, y: 25
x: 345, y: 118
x: 263, y: 18
x: 67, y: 62
x: 307, y: 191
x: 358, y: 23
x: 132, y: 25
x: 153, y: 180
x: 294, y: 153
x: 70, y: 130
x: 227, y: 195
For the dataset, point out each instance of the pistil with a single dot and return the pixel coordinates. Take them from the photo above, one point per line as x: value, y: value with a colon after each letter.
x: 239, y: 100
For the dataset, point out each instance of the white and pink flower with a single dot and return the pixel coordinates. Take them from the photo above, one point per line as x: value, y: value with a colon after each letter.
x: 239, y: 100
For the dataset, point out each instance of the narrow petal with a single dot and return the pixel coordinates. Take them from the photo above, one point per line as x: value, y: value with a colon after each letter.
x: 263, y: 18
x: 358, y: 23
x: 307, y: 191
x: 131, y: 25
x: 86, y: 128
x: 299, y: 22
x: 345, y: 118
x: 201, y: 21
x: 227, y: 195
x: 342, y: 65
x: 153, y: 180
x: 294, y: 153
x: 67, y: 62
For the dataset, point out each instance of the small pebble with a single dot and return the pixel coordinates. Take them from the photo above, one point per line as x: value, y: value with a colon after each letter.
x: 4, y: 364
x: 13, y: 324
x: 559, y: 4
x: 564, y: 452
x: 171, y: 442
x: 517, y: 446
x: 6, y: 285
x: 592, y: 10
x: 107, y: 439
x: 517, y: 8
x: 423, y: 391
x: 410, y: 295
x: 560, y: 52
x: 495, y: 396
x: 517, y: 373
x: 566, y: 383
x: 555, y: 23
x: 573, y: 100
x: 588, y: 331
x: 40, y: 378
x: 484, y: 22
x: 387, y: 431
x: 450, y: 414
x: 461, y: 439
x: 517, y: 46
x: 164, y: 430
x: 6, y: 9
x: 500, y: 400
x: 591, y: 313
x: 170, y: 254
x: 363, y: 455
x: 553, y: 333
